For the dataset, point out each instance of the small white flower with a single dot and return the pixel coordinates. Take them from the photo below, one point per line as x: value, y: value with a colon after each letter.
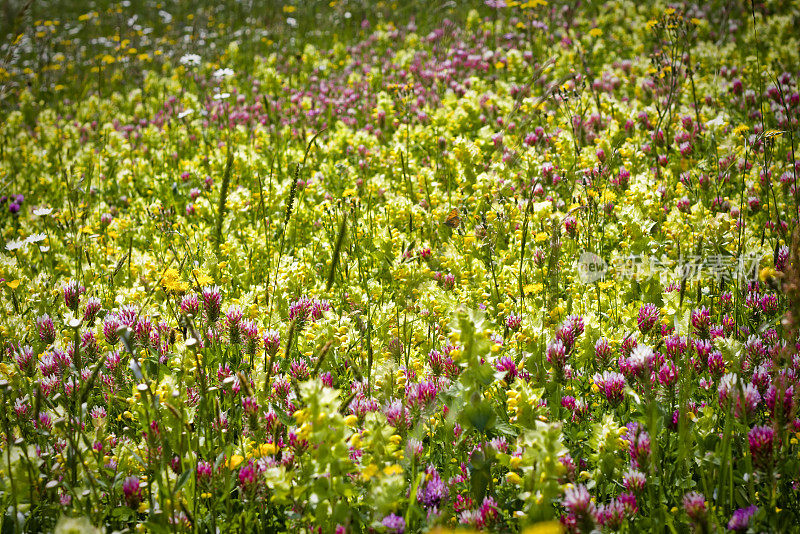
x: 223, y: 73
x: 191, y: 60
x: 185, y: 113
x: 35, y: 238
x: 292, y: 22
x: 716, y: 123
x: 16, y: 244
x: 41, y: 212
x: 221, y: 96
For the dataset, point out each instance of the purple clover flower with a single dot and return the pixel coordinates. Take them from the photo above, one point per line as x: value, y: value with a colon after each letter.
x: 611, y: 385
x: 648, y: 317
x: 740, y: 520
x: 760, y: 439
x: 132, y: 491
x: 394, y: 524
x: 435, y: 492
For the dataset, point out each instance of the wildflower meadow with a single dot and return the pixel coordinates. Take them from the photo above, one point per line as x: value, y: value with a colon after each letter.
x: 399, y: 267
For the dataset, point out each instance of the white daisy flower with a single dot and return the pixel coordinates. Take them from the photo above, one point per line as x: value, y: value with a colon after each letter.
x: 35, y: 238
x: 223, y: 73
x: 16, y: 244
x: 191, y: 60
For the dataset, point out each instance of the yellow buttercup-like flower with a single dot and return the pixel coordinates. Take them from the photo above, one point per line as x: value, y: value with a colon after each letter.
x: 369, y: 471
x: 514, y: 478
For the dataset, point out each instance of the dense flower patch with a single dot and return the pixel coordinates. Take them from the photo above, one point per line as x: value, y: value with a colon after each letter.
x: 517, y: 267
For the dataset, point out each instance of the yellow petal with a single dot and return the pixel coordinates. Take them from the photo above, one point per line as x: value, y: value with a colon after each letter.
x: 546, y: 527
x: 392, y: 469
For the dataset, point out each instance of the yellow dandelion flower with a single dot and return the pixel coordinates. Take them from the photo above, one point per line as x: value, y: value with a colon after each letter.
x: 202, y: 278
x: 393, y: 469
x: 235, y: 460
x: 351, y: 420
x: 370, y: 471
x: 514, y: 478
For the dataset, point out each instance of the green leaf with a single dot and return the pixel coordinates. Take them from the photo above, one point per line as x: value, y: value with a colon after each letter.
x: 412, y: 506
x: 480, y: 415
x: 8, y: 524
x: 152, y: 526
x: 505, y: 429
x: 479, y: 481
x: 481, y: 375
x: 182, y: 480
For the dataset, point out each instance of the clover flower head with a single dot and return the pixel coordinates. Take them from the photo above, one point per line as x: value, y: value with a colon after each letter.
x: 212, y: 302
x: 91, y: 309
x: 434, y: 493
x: 132, y: 491
x: 634, y: 480
x: 740, y: 520
x: 694, y: 504
x: 394, y: 524
x: 72, y: 291
x: 648, y: 317
x: 47, y: 331
x: 611, y: 385
x: 557, y: 354
x: 760, y: 439
x: 602, y: 351
x: 579, y: 503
